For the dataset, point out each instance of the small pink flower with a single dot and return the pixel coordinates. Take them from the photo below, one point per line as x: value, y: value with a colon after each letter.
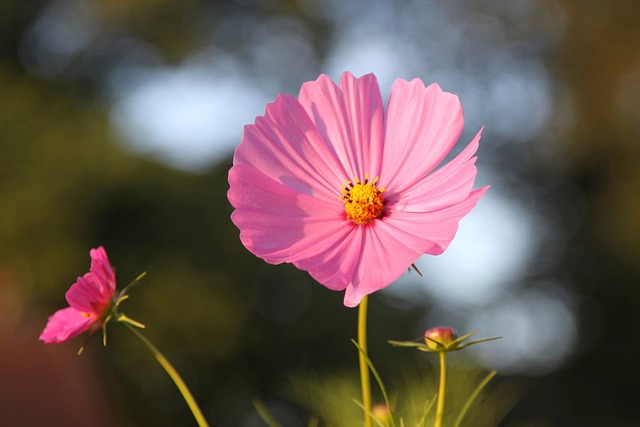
x: 90, y: 300
x: 348, y: 192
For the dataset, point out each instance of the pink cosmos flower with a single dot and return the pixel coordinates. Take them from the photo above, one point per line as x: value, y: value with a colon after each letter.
x: 348, y: 192
x: 90, y: 300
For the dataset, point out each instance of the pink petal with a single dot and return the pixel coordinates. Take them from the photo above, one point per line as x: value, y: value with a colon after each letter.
x: 424, y: 220
x: 103, y: 274
x: 383, y: 258
x: 335, y: 266
x: 422, y: 125
x: 86, y: 295
x: 94, y: 291
x: 285, y: 146
x: 449, y: 185
x: 278, y: 223
x: 83, y: 294
x: 350, y: 119
x: 433, y: 231
x: 392, y: 244
x: 65, y: 324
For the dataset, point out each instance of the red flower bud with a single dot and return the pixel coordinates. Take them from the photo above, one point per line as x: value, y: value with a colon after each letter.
x: 440, y: 337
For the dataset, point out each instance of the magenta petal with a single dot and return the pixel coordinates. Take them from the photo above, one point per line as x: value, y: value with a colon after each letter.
x: 422, y: 125
x: 103, y: 273
x: 64, y: 325
x: 95, y: 290
x: 85, y: 295
x: 350, y: 119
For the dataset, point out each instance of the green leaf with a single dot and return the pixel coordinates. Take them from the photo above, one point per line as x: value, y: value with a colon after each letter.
x: 406, y: 343
x: 478, y: 342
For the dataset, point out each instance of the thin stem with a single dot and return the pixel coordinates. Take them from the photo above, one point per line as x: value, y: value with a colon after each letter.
x: 441, y: 388
x: 383, y: 389
x: 362, y: 357
x: 473, y: 397
x: 186, y: 393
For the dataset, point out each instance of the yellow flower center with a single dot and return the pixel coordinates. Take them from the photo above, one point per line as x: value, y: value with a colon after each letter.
x: 363, y: 201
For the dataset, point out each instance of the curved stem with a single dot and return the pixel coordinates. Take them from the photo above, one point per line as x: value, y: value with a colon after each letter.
x: 186, y: 393
x: 441, y: 388
x: 364, y: 366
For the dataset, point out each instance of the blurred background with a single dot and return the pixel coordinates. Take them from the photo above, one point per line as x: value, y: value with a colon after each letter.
x: 118, y: 120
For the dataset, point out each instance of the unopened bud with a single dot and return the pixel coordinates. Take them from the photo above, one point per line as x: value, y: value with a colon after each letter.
x: 440, y: 337
x: 381, y: 413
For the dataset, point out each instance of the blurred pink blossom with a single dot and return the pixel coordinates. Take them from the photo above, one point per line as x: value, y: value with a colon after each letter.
x: 349, y: 193
x: 90, y: 300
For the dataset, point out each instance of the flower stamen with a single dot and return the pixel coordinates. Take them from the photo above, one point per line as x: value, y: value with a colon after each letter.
x: 363, y: 201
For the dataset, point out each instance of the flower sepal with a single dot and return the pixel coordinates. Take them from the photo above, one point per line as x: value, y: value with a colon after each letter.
x: 442, y: 339
x: 113, y: 313
x: 122, y: 294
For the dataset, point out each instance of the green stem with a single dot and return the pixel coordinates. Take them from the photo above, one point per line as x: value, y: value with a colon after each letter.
x: 441, y: 388
x: 362, y: 357
x: 186, y: 393
x: 473, y: 397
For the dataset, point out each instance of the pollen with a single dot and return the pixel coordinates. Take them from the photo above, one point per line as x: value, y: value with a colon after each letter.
x: 363, y: 201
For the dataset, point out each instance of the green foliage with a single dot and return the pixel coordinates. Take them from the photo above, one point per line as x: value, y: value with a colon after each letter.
x: 413, y: 390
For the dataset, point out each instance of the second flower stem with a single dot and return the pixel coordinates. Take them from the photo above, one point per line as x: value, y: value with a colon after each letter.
x: 177, y: 379
x: 441, y: 388
x: 364, y: 366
